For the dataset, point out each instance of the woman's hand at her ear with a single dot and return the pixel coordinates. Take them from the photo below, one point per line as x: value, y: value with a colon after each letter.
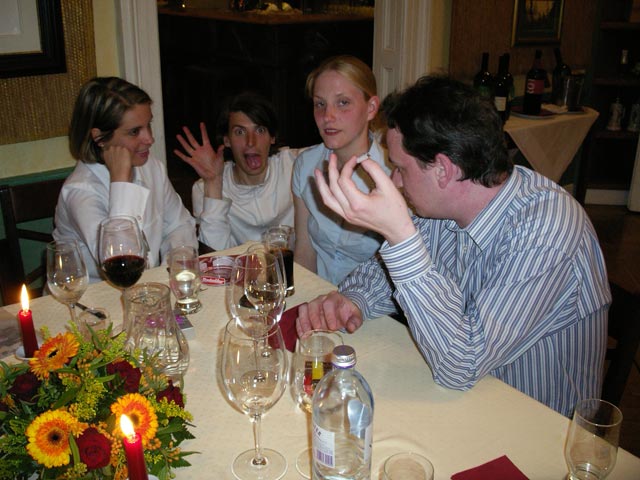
x: 119, y: 163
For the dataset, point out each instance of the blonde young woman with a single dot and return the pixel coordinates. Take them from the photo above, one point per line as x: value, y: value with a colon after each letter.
x: 345, y: 106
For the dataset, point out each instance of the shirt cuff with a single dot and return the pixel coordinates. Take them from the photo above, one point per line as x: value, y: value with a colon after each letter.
x: 406, y: 260
x: 215, y: 207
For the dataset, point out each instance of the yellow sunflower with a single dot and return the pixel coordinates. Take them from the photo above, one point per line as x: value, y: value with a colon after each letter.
x: 141, y: 413
x: 48, y: 437
x: 54, y: 354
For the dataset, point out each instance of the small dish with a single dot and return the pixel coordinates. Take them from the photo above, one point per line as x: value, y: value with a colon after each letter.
x: 20, y: 354
x: 216, y: 270
x: 516, y: 111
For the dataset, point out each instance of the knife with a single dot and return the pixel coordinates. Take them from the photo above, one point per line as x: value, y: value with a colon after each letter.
x: 96, y: 313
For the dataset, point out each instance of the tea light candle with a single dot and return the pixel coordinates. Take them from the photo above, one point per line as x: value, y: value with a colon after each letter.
x: 133, y: 450
x: 25, y: 318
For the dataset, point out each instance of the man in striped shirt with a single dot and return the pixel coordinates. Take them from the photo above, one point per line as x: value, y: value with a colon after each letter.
x: 499, y: 272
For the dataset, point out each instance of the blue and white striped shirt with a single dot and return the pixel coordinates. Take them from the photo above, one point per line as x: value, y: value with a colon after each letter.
x: 521, y: 293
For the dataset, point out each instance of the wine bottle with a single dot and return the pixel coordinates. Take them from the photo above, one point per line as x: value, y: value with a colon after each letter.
x: 483, y: 81
x: 534, y: 86
x: 502, y: 88
x: 561, y: 71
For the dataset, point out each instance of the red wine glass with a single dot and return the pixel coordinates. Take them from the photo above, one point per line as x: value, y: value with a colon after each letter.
x: 121, y: 250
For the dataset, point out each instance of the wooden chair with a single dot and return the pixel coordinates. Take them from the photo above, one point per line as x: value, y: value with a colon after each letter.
x: 20, y: 204
x: 624, y: 339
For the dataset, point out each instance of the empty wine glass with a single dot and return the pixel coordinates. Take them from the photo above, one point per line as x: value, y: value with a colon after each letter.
x: 254, y: 375
x: 592, y: 441
x: 255, y: 292
x: 121, y: 250
x: 184, y: 278
x: 67, y: 276
x: 311, y: 362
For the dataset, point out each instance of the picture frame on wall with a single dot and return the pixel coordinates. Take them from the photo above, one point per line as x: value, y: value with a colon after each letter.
x: 24, y: 21
x: 537, y: 22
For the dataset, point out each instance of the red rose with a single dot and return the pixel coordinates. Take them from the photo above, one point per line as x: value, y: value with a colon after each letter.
x: 95, y: 449
x: 171, y: 393
x: 25, y: 386
x: 128, y: 373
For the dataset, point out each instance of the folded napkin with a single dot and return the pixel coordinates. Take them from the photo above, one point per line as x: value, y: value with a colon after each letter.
x: 288, y: 328
x: 499, y: 469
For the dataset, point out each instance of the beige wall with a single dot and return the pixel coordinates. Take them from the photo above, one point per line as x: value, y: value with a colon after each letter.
x: 53, y: 153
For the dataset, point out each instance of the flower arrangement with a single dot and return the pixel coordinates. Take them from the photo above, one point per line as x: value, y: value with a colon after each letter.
x: 60, y: 413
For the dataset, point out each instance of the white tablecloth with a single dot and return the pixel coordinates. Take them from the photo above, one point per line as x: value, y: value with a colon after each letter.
x: 455, y: 430
x: 550, y: 143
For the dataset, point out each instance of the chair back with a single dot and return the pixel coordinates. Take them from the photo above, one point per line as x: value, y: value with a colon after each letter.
x: 20, y: 204
x: 624, y: 339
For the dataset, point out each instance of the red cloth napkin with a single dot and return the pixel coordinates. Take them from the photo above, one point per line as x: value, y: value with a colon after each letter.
x: 288, y: 328
x: 499, y: 469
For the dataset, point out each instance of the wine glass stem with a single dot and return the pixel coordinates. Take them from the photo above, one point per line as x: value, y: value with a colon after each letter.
x: 258, y: 459
x: 72, y: 309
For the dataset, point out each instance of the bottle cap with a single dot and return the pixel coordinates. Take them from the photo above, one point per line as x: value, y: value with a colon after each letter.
x: 344, y: 356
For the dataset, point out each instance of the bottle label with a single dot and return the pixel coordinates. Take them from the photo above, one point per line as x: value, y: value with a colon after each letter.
x: 535, y: 87
x: 501, y: 103
x: 324, y: 446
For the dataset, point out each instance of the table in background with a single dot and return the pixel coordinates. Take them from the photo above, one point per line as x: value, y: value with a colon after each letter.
x: 550, y: 143
x: 455, y: 430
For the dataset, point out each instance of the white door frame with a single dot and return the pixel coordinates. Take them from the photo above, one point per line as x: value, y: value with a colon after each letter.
x: 139, y: 47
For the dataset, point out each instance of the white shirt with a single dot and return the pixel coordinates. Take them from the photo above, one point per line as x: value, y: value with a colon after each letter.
x: 340, y: 247
x: 246, y: 211
x: 88, y: 196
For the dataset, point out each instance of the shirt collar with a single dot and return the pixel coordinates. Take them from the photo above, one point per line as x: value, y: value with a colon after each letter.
x: 487, y: 223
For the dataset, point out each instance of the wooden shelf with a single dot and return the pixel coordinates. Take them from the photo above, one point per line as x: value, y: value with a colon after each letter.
x: 616, y: 135
x: 617, y: 81
x: 620, y: 26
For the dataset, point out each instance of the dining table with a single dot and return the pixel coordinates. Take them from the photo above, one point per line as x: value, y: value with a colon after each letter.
x: 456, y: 430
x: 550, y: 142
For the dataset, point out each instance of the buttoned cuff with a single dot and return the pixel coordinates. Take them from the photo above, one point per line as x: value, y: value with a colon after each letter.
x: 406, y: 260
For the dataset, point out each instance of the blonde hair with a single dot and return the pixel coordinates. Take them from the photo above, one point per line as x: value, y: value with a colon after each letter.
x: 350, y: 67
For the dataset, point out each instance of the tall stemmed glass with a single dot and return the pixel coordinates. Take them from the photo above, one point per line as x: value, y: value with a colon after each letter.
x: 254, y: 375
x: 255, y: 293
x: 67, y: 276
x: 121, y: 250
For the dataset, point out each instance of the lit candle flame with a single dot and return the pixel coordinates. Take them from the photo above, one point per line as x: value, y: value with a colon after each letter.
x: 24, y: 298
x: 126, y: 425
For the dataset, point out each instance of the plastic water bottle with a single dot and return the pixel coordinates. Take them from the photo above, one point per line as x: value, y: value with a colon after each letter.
x: 342, y: 419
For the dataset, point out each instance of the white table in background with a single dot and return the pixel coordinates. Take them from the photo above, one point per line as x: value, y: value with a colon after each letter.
x: 550, y: 143
x: 455, y: 430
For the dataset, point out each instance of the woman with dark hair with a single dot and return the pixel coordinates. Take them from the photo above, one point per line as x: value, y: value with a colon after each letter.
x: 110, y: 136
x: 238, y: 200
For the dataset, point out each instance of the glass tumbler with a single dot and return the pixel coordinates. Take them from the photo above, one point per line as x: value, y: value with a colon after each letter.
x: 592, y: 441
x: 184, y: 278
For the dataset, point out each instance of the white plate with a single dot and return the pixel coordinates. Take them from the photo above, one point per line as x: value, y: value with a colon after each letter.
x: 544, y: 114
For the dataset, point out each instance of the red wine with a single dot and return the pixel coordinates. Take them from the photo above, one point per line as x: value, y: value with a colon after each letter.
x: 287, y: 258
x: 502, y: 88
x: 123, y: 270
x: 534, y: 87
x: 561, y: 71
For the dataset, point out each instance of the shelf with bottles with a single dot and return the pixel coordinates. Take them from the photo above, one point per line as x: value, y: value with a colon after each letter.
x: 631, y: 82
x: 620, y: 25
x: 616, y: 135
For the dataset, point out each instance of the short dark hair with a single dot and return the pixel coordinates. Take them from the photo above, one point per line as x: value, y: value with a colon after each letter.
x: 101, y: 104
x: 441, y: 115
x: 255, y: 106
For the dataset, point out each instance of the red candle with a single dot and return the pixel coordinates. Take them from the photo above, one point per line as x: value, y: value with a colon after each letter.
x: 133, y: 450
x: 29, y: 340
